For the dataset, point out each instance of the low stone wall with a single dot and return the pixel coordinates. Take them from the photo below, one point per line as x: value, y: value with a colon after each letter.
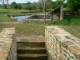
x: 36, y: 20
x: 61, y: 45
x: 39, y: 16
x: 8, y: 46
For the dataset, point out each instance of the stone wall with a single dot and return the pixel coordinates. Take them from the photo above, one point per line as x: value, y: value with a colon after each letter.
x: 8, y: 48
x: 61, y: 45
x: 36, y: 20
x: 39, y: 16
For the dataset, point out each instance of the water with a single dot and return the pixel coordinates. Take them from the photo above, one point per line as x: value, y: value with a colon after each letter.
x: 19, y: 18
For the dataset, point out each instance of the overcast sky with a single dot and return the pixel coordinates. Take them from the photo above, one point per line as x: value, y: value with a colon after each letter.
x: 23, y: 1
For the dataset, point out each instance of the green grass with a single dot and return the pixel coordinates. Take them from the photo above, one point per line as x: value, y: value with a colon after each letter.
x: 73, y: 27
x: 4, y: 18
x: 37, y: 28
x: 13, y: 11
x: 26, y: 29
x: 22, y: 11
x: 74, y: 21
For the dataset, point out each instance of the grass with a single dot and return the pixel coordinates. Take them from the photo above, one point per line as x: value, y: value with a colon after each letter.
x: 22, y: 11
x: 37, y: 28
x: 26, y: 29
x: 12, y: 11
x: 73, y: 27
x: 74, y: 30
x: 4, y: 18
x: 66, y: 22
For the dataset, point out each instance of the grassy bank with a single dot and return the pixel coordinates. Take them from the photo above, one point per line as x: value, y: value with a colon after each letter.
x: 17, y: 11
x: 74, y: 30
x: 4, y: 18
x: 37, y: 28
x: 12, y: 11
x: 72, y: 26
x: 26, y: 29
x: 74, y: 21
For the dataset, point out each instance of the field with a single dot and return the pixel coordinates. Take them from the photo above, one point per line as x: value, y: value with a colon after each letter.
x: 12, y: 11
x: 37, y: 28
x: 22, y: 11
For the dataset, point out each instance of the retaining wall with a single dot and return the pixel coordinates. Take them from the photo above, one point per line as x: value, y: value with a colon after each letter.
x: 39, y: 16
x: 8, y: 45
x: 36, y: 20
x: 61, y: 45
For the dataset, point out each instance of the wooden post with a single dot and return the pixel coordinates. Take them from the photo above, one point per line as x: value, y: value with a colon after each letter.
x: 44, y: 8
x: 61, y: 12
x: 51, y: 17
x: 7, y: 7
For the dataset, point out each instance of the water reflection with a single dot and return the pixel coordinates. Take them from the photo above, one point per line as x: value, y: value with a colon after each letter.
x: 19, y: 18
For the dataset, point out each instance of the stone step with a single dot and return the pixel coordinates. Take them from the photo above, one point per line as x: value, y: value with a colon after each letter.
x: 30, y: 44
x: 36, y: 50
x: 31, y: 49
x: 32, y: 57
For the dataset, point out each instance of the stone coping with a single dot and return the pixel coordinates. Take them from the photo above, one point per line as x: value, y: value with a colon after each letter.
x: 62, y: 42
x: 6, y: 39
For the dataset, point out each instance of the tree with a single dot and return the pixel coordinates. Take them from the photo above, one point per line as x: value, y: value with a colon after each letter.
x: 34, y: 5
x: 5, y: 3
x: 48, y: 4
x: 74, y: 6
x: 44, y: 8
x: 29, y: 6
x: 19, y: 6
x: 59, y: 2
x: 41, y: 4
x: 54, y: 4
x: 14, y: 5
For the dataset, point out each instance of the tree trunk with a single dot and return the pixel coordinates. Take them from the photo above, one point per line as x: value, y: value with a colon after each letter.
x: 44, y: 8
x: 5, y: 3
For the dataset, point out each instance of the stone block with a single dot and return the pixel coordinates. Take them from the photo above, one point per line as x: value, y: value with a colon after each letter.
x: 61, y: 45
x: 8, y: 49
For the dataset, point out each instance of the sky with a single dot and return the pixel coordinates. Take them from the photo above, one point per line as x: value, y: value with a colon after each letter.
x: 23, y: 1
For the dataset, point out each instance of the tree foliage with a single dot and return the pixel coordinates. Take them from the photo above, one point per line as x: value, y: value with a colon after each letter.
x: 28, y: 6
x: 40, y: 5
x: 48, y: 4
x: 14, y: 5
x: 54, y: 4
x: 5, y: 4
x: 74, y: 4
x: 59, y: 2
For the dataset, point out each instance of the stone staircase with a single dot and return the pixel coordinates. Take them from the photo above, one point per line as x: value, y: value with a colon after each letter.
x: 31, y: 50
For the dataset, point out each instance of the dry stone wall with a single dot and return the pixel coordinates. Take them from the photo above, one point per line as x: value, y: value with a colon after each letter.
x: 8, y: 46
x: 36, y: 20
x: 61, y: 45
